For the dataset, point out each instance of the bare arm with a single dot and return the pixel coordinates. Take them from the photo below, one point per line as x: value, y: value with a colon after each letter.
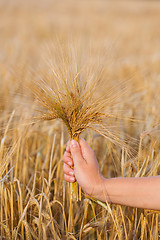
x: 134, y: 192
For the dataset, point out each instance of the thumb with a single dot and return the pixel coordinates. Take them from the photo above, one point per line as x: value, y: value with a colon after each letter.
x: 76, y: 152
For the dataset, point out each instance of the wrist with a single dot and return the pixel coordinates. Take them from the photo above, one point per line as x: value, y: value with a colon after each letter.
x: 102, y: 193
x: 100, y: 190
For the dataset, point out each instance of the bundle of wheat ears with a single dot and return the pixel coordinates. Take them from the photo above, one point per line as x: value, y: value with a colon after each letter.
x: 70, y: 93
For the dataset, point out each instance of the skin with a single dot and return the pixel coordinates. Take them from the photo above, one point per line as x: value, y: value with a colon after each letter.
x: 135, y: 192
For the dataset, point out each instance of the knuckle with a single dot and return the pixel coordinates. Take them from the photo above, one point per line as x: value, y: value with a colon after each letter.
x: 65, y: 168
x: 67, y: 159
x: 64, y: 159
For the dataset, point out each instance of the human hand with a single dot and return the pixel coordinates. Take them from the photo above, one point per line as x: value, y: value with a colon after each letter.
x: 86, y: 169
x: 134, y: 192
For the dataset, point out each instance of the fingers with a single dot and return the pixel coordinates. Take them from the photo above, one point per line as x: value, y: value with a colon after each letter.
x: 67, y: 159
x: 76, y: 153
x: 79, y: 151
x: 83, y: 143
x: 68, y: 163
x: 68, y: 147
x: 87, y: 152
x: 68, y: 170
x: 68, y: 178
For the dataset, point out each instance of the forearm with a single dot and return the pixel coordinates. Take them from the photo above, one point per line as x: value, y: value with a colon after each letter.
x: 134, y: 192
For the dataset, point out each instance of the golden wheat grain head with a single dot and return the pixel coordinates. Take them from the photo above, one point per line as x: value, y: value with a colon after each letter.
x: 71, y: 93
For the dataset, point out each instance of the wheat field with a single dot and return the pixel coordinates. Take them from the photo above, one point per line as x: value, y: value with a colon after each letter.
x: 121, y: 38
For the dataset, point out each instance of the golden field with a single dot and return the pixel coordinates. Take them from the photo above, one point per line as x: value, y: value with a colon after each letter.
x: 123, y: 38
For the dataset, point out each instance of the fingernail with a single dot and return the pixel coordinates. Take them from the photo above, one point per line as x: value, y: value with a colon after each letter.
x: 71, y: 173
x: 72, y: 178
x: 70, y: 164
x: 74, y: 143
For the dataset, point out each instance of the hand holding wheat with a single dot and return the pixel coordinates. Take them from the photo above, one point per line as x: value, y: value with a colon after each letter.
x: 86, y: 169
x: 134, y: 192
x: 69, y: 92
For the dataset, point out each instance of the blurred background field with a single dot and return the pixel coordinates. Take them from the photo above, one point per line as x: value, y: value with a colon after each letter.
x: 124, y: 37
